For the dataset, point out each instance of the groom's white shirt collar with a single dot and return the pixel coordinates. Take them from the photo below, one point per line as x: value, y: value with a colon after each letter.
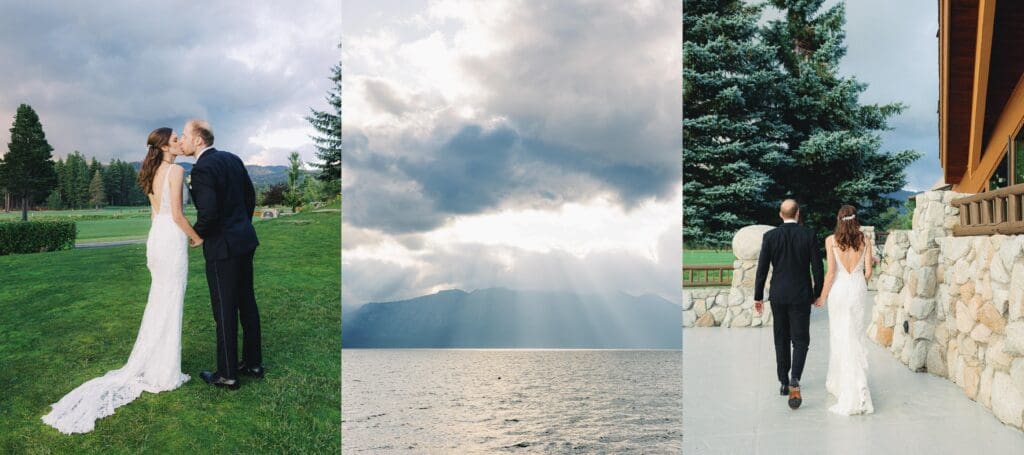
x: 201, y: 152
x: 789, y: 221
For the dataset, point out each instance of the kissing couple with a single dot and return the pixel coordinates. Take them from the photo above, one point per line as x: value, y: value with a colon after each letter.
x: 798, y: 282
x: 225, y: 199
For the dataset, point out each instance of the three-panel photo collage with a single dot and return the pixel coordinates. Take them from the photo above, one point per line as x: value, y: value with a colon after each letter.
x: 512, y: 226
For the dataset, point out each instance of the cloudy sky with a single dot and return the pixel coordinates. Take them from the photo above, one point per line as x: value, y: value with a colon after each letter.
x: 102, y: 77
x: 531, y: 145
x: 892, y: 47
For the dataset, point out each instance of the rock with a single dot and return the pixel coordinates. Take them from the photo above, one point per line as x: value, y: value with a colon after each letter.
x: 706, y: 320
x: 995, y: 352
x: 746, y: 244
x: 890, y: 283
x: 918, y: 356
x: 737, y: 296
x: 972, y: 378
x: 922, y: 330
x: 981, y: 333
x: 689, y: 318
x: 964, y: 318
x: 921, y: 308
x: 1017, y: 374
x: 1014, y: 341
x: 941, y: 334
x: 954, y: 248
x: 935, y: 364
x: 718, y: 313
x: 925, y: 282
x: 991, y: 317
x: 985, y: 388
x: 727, y: 320
x: 998, y: 271
x: 741, y: 320
x: 722, y: 298
x: 929, y: 257
x: 962, y: 272
x: 1010, y: 250
x: 968, y: 347
x: 883, y: 336
x: 967, y: 291
x: 1007, y: 400
x: 687, y: 300
x: 1000, y: 299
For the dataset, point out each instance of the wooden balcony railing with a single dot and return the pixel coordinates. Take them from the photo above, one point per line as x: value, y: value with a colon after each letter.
x: 707, y: 275
x: 993, y: 212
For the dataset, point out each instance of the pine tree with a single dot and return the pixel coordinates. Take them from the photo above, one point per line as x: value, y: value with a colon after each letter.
x: 27, y: 168
x: 732, y: 136
x: 75, y: 181
x: 294, y: 196
x: 112, y: 183
x: 97, y: 197
x: 328, y: 139
x: 833, y: 141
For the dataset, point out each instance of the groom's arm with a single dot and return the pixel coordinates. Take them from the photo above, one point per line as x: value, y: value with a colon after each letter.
x: 763, y: 261
x: 250, y: 192
x: 205, y: 199
x: 817, y: 269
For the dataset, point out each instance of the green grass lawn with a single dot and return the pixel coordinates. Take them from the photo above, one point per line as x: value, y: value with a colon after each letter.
x: 707, y: 257
x: 101, y: 225
x: 70, y: 316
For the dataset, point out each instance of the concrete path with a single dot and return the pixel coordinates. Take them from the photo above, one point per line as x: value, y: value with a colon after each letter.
x: 731, y: 403
x: 106, y: 244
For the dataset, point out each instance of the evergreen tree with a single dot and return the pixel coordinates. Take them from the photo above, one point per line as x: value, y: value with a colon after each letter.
x: 75, y: 182
x: 328, y: 139
x: 27, y: 168
x: 833, y: 140
x: 112, y: 183
x: 732, y: 135
x: 53, y: 201
x: 294, y: 197
x: 97, y: 197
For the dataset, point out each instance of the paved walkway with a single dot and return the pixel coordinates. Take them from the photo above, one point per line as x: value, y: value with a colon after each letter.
x: 106, y: 244
x: 731, y: 403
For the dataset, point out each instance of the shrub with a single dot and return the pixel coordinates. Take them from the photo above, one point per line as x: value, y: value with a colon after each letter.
x: 18, y: 237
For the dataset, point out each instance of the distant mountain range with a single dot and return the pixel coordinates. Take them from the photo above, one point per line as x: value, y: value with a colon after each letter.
x: 261, y: 175
x: 504, y: 318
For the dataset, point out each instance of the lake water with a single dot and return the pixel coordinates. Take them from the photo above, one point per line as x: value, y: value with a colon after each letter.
x: 516, y: 401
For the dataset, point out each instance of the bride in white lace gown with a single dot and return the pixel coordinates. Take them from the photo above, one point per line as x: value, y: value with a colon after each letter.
x: 849, y: 257
x: 155, y: 361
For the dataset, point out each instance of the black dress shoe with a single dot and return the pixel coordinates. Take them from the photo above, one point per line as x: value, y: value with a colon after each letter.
x: 255, y: 371
x: 784, y: 390
x: 219, y: 381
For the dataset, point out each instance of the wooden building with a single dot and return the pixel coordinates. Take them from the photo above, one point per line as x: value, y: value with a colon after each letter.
x: 981, y: 94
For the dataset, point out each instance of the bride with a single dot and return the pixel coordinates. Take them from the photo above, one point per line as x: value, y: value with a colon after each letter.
x: 155, y: 361
x: 849, y: 257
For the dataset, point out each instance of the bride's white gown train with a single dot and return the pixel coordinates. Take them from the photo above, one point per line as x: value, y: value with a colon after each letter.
x: 155, y: 362
x: 847, y: 377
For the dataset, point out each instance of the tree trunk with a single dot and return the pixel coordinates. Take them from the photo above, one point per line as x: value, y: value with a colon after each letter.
x: 24, y: 208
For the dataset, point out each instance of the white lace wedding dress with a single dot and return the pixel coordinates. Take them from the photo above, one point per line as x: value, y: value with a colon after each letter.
x: 847, y: 377
x: 155, y: 362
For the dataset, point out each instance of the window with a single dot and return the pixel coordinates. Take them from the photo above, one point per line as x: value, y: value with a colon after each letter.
x: 1000, y: 178
x: 1018, y: 157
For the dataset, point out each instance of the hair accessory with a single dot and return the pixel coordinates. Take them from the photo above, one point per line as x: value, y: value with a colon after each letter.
x: 848, y: 218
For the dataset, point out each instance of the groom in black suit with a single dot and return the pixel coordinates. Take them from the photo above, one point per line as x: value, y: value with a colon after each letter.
x: 791, y: 250
x: 225, y: 199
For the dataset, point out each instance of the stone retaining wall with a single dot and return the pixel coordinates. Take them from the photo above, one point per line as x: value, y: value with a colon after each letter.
x: 954, y: 306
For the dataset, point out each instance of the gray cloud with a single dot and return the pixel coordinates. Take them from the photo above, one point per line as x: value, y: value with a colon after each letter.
x: 588, y: 94
x: 102, y: 77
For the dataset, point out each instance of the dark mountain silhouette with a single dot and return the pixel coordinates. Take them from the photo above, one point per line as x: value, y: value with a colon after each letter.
x: 504, y: 318
x: 261, y: 175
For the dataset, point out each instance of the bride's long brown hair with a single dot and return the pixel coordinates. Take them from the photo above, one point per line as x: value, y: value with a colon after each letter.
x: 847, y: 232
x: 157, y: 139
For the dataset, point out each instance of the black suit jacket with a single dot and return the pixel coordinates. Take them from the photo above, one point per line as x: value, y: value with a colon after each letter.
x: 792, y: 252
x: 225, y: 199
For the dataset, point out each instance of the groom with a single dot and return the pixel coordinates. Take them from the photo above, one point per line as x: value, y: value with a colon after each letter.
x: 792, y: 252
x: 225, y: 199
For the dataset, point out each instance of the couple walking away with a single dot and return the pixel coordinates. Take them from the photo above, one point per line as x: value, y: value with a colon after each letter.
x: 798, y: 281
x: 225, y: 199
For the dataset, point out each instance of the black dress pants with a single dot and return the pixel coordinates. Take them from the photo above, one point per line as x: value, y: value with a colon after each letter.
x: 233, y: 301
x: 791, y: 327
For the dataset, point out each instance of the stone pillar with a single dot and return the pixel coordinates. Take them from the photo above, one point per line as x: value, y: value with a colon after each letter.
x: 746, y: 245
x: 890, y: 287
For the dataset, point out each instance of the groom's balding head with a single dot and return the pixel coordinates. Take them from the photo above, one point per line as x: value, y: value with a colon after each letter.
x: 200, y: 129
x: 789, y: 209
